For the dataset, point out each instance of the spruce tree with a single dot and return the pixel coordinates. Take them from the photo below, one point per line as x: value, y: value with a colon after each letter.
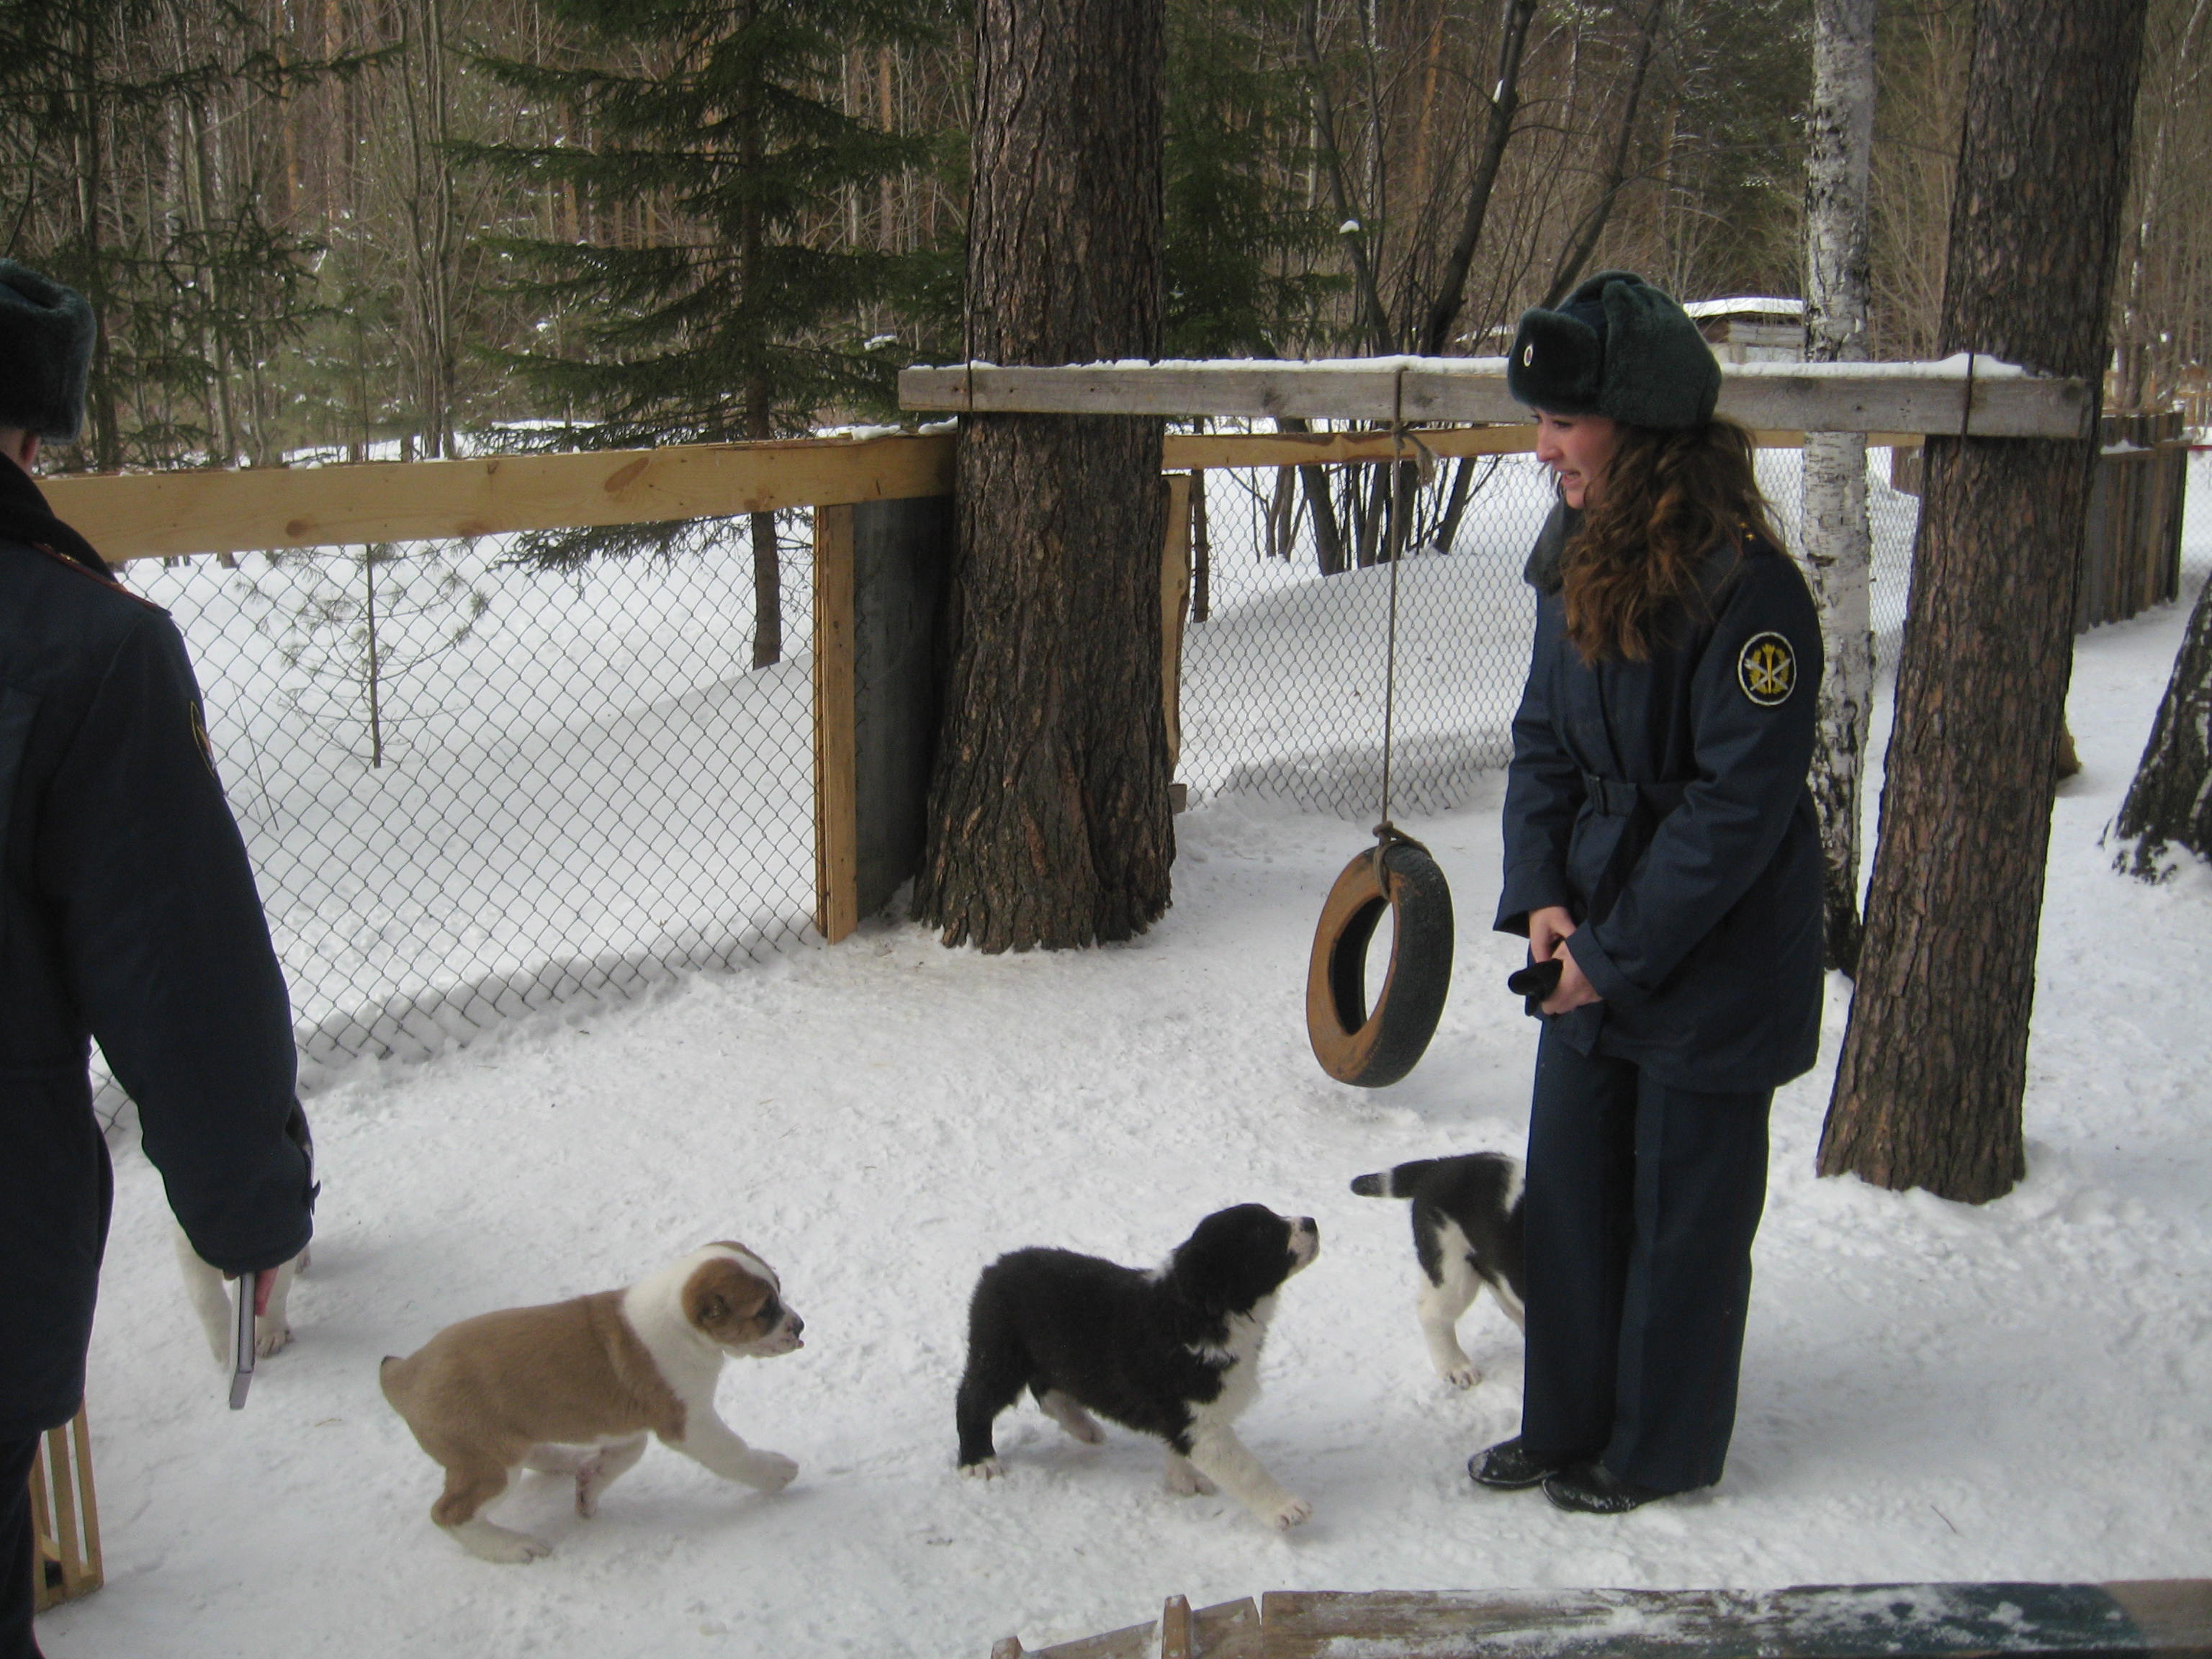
x: 709, y: 298
x: 134, y: 167
x: 1243, y: 249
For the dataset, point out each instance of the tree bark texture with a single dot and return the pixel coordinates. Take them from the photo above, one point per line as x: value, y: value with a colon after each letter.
x: 1839, y: 155
x: 2170, y: 803
x: 1929, y: 1085
x: 1048, y: 815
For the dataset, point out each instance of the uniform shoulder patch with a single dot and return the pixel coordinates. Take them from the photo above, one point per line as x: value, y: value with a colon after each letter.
x: 1766, y: 669
x: 106, y: 580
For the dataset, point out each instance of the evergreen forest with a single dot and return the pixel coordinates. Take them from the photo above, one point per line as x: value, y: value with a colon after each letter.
x: 335, y: 227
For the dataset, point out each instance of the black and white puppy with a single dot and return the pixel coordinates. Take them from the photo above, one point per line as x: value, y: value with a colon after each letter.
x: 1467, y: 1233
x: 1173, y: 1352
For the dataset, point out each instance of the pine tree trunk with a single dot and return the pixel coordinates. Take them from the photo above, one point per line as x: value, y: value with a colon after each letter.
x: 759, y: 405
x: 1929, y: 1088
x: 2170, y: 802
x: 1049, y: 820
x: 1839, y: 153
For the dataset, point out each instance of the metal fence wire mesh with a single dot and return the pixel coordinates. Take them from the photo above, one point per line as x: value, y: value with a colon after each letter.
x: 1283, y: 672
x: 472, y: 788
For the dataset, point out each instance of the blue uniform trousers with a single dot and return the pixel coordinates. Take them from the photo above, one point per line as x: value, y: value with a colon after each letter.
x: 1642, y: 1201
x: 18, y: 1547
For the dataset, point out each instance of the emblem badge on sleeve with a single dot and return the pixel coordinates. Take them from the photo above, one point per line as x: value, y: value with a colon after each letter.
x: 1767, y: 668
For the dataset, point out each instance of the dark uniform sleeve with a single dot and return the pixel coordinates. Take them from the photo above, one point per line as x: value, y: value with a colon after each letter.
x: 1543, y: 794
x: 168, y: 957
x: 1753, y: 743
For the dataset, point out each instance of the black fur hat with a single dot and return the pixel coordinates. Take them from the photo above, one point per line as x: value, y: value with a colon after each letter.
x: 46, y: 354
x: 1618, y: 348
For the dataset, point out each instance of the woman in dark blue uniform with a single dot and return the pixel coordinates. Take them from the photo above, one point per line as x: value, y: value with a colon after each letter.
x: 128, y: 912
x: 1661, y: 846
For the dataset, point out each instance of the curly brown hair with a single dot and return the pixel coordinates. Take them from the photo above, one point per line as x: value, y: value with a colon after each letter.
x: 1668, y: 499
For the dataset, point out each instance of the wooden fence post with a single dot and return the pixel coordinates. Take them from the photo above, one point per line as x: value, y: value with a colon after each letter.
x: 880, y: 576
x: 836, y: 832
x: 1175, y: 606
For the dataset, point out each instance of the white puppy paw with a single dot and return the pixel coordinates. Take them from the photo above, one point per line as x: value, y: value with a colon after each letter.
x: 1291, y: 1512
x: 988, y: 1470
x: 771, y: 1472
x: 590, y: 1480
x: 1184, y: 1479
x: 270, y: 1333
x: 488, y: 1542
x: 1462, y: 1376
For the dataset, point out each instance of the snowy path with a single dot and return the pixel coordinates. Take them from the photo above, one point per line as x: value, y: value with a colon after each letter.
x: 1930, y: 1392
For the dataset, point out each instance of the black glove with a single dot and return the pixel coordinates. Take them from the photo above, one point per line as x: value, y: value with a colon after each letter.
x: 1535, y: 983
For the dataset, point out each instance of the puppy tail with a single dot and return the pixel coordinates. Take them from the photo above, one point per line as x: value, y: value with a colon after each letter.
x: 1392, y: 1183
x: 392, y: 1378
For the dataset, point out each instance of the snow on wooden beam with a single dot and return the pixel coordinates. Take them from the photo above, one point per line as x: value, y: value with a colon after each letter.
x: 1994, y: 401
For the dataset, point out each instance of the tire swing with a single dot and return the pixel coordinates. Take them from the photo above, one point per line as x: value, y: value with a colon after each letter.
x: 1355, y: 1042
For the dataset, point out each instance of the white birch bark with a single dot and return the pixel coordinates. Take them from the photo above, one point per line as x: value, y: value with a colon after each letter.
x: 1833, y: 530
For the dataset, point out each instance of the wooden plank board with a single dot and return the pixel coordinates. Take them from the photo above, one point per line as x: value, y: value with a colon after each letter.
x: 1856, y: 1621
x: 1810, y: 397
x: 1228, y: 1630
x: 149, y: 514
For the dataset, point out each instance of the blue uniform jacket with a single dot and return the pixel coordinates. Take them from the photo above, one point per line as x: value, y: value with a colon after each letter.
x: 1665, y: 804
x: 128, y: 912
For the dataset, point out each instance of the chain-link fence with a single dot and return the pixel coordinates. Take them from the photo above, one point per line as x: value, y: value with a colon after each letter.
x: 1284, y: 672
x: 472, y: 788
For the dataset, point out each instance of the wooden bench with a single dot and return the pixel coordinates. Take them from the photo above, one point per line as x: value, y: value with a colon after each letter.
x: 64, y: 1517
x: 2171, y: 1619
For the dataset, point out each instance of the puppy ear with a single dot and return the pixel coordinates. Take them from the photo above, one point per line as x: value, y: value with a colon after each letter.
x: 720, y: 1295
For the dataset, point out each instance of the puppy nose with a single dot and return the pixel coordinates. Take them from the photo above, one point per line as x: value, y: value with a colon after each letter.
x: 797, y: 1325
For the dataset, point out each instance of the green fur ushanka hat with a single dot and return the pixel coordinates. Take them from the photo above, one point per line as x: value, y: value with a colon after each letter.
x: 46, y: 354
x: 1617, y: 347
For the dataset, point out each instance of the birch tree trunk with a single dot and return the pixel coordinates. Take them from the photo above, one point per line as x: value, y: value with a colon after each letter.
x: 1839, y: 154
x: 1048, y: 820
x: 1929, y: 1085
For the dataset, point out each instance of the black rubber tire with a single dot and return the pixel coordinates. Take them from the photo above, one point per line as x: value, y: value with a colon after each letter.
x: 1374, y: 1047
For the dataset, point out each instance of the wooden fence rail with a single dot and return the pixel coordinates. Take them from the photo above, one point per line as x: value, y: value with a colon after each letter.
x: 144, y: 515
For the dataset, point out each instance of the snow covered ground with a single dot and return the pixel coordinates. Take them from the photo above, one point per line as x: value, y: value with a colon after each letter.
x: 1930, y: 1391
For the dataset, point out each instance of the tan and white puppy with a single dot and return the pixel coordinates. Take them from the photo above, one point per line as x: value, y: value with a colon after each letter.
x: 574, y: 1387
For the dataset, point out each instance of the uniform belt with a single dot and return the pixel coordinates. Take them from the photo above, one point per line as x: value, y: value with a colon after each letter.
x: 1617, y: 798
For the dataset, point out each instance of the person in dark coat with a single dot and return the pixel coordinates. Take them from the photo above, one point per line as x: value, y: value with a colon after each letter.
x: 1661, y: 847
x: 128, y: 913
